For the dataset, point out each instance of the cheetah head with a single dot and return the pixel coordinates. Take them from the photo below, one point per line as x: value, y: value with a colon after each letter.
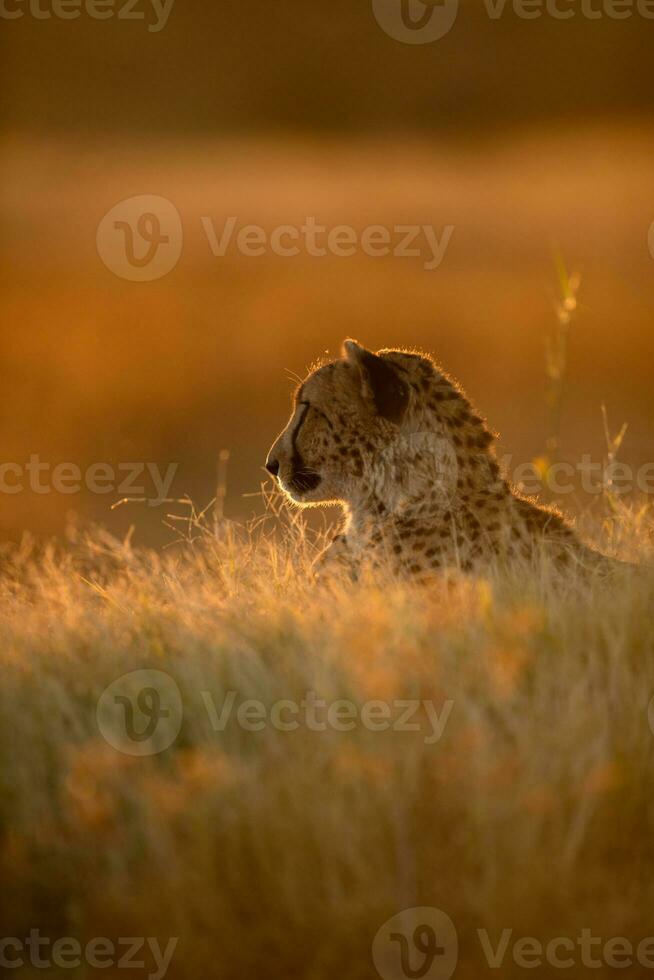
x: 357, y: 429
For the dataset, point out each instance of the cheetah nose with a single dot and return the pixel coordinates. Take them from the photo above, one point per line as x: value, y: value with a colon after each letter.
x: 272, y: 466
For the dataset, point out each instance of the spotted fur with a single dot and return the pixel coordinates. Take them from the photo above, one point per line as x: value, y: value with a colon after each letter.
x: 393, y: 440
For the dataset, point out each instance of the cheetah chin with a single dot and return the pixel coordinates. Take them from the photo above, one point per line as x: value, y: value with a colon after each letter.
x: 393, y: 440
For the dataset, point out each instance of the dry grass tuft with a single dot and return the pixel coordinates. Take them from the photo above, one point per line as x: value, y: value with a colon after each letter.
x: 280, y: 853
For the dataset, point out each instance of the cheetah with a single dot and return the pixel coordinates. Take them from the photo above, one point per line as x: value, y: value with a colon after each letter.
x: 394, y: 440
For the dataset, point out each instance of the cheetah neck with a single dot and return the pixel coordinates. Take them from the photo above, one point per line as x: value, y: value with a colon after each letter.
x: 438, y: 466
x: 422, y: 491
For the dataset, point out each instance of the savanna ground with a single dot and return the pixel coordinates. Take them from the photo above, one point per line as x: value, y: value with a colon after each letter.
x: 281, y: 853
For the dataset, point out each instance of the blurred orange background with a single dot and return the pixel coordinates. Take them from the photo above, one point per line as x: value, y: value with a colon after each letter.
x: 530, y: 138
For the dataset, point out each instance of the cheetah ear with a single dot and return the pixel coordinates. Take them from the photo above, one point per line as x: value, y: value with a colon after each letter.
x: 380, y: 381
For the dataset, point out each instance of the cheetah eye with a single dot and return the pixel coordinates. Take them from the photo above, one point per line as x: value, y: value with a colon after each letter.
x: 318, y: 411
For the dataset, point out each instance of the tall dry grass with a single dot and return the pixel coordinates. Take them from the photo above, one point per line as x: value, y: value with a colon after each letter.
x: 280, y: 854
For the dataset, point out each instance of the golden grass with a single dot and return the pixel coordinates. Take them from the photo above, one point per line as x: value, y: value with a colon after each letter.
x: 280, y: 854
